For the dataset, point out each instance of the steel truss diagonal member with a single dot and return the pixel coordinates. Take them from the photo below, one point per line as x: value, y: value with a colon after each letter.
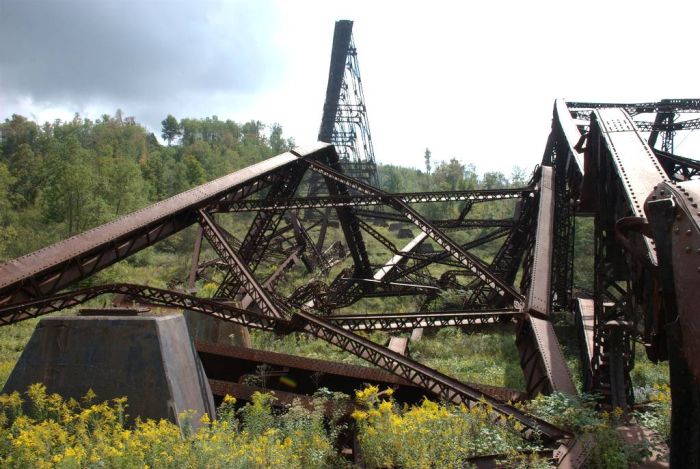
x: 441, y: 256
x: 442, y: 385
x: 469, y: 261
x: 541, y: 357
x: 151, y: 295
x: 238, y: 267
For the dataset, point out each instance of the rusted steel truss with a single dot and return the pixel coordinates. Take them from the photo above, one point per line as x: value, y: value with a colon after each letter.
x: 596, y: 161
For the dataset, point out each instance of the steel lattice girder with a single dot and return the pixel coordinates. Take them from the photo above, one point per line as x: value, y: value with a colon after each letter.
x: 254, y: 245
x: 412, y: 371
x: 382, y: 198
x: 158, y: 296
x: 408, y: 321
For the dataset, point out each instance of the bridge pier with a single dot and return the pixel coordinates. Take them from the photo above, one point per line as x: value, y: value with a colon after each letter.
x: 148, y: 359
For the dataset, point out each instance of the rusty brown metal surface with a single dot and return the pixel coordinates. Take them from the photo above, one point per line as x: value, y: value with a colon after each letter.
x: 538, y: 298
x: 685, y: 252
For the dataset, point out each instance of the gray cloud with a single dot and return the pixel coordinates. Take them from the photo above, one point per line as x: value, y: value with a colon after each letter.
x: 147, y: 56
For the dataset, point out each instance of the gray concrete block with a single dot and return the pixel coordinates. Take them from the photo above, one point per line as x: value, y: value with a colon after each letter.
x: 149, y: 359
x: 210, y: 329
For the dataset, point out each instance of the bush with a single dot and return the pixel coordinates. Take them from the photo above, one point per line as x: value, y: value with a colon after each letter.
x: 429, y: 434
x: 65, y: 433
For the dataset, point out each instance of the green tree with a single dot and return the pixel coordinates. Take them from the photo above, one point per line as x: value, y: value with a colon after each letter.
x: 277, y: 143
x: 427, y: 157
x: 195, y: 172
x: 25, y: 166
x: 171, y: 129
x: 7, y: 217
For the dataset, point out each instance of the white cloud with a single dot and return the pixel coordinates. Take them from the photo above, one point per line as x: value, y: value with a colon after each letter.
x: 471, y: 80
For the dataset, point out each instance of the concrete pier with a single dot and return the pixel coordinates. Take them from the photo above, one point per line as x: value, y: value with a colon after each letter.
x: 149, y: 359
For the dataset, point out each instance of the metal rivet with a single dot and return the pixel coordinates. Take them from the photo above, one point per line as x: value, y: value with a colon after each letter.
x: 688, y: 233
x: 676, y: 230
x: 688, y: 249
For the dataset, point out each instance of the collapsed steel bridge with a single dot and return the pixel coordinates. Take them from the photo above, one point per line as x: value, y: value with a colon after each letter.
x: 601, y: 160
x: 647, y: 236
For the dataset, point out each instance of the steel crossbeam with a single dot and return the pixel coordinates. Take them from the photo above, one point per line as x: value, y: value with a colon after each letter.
x: 442, y: 256
x: 254, y: 246
x: 408, y: 321
x: 508, y: 258
x: 383, y: 198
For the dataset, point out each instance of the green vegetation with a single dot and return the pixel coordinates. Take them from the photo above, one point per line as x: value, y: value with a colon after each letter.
x: 47, y: 431
x: 62, y: 178
x: 68, y: 434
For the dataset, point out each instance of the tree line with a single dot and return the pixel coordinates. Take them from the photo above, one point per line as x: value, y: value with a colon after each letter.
x: 61, y: 178
x: 64, y: 177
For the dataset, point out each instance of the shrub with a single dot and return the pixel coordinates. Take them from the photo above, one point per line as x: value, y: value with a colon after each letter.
x: 429, y: 434
x: 65, y: 433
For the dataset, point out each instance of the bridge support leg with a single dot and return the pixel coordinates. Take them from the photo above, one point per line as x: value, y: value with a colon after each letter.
x: 685, y: 413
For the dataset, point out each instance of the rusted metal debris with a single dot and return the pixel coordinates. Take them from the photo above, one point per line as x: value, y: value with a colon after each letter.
x: 596, y: 161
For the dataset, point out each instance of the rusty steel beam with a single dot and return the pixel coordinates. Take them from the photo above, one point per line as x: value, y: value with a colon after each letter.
x: 622, y: 170
x: 408, y: 321
x: 346, y: 215
x: 229, y: 358
x: 254, y: 245
x: 442, y: 385
x: 508, y: 258
x: 359, y: 200
x: 440, y: 257
x: 538, y: 298
x: 674, y: 222
x: 274, y: 279
x: 541, y: 357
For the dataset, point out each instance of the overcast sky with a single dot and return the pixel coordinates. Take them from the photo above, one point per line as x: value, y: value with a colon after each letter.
x: 473, y: 80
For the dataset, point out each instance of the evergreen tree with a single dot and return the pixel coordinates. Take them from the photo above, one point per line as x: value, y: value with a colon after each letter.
x: 427, y: 157
x: 171, y: 129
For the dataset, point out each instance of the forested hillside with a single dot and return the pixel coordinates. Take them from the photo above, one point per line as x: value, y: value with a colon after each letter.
x: 61, y: 178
